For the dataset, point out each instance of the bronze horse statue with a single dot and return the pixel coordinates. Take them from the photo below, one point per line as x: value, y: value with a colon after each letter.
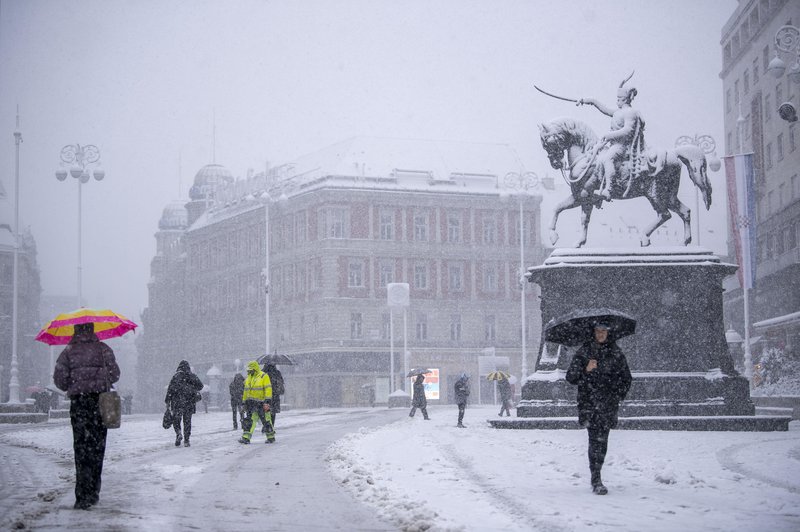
x: 659, y: 185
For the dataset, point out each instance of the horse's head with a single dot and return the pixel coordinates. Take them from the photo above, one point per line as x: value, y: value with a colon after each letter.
x: 553, y: 144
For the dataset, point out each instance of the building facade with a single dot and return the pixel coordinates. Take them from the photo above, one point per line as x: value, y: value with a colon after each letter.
x: 752, y: 95
x: 343, y: 223
x: 32, y: 363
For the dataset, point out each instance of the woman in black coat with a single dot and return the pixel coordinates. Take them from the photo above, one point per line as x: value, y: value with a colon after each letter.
x: 600, y: 370
x: 419, y: 400
x: 181, y: 398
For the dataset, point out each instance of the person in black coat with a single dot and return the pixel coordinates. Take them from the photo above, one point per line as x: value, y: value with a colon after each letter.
x: 419, y: 400
x: 462, y: 393
x: 276, y: 378
x: 181, y: 398
x: 600, y: 370
x: 236, y: 389
x: 506, y: 397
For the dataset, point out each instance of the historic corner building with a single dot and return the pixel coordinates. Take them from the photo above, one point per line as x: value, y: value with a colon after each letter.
x: 754, y: 93
x: 32, y: 363
x: 343, y: 223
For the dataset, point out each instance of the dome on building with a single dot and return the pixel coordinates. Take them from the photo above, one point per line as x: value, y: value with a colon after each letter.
x: 174, y: 216
x: 207, y: 179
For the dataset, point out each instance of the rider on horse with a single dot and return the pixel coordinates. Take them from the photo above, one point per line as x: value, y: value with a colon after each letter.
x: 623, y: 143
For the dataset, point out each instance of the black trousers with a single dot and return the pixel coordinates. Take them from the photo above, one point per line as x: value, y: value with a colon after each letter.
x: 598, y: 445
x: 237, y: 408
x: 461, y: 408
x: 186, y: 415
x: 423, y: 409
x: 89, y: 446
x: 505, y: 407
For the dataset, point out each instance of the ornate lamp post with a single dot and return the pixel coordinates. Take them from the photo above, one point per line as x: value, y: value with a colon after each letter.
x: 81, y: 160
x: 709, y: 147
x: 13, y: 385
x: 520, y: 185
x: 787, y: 40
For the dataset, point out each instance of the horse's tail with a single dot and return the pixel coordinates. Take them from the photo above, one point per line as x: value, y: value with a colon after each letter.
x: 695, y: 162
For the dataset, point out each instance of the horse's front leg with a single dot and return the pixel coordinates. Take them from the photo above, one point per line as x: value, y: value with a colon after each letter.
x: 662, y: 216
x: 586, y: 215
x: 567, y: 203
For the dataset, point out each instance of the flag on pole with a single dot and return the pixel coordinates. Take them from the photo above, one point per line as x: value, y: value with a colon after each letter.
x: 742, y: 207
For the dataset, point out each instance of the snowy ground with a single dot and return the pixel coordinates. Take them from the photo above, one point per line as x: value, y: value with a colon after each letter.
x: 409, y: 474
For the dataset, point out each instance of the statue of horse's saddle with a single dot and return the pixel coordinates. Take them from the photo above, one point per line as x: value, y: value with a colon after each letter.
x: 651, y: 162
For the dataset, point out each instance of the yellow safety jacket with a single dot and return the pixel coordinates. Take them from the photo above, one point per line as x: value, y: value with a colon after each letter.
x: 257, y: 385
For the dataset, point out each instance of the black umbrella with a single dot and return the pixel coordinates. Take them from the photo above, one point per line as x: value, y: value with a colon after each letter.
x: 577, y: 327
x: 418, y: 371
x: 275, y: 360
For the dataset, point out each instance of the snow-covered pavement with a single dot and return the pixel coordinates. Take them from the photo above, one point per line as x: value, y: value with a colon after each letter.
x: 406, y: 474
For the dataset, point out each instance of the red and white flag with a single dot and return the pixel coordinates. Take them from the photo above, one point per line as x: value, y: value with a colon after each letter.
x: 742, y: 207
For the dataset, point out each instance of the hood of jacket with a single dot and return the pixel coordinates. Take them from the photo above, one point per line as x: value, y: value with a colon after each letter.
x: 253, y: 366
x: 184, y: 366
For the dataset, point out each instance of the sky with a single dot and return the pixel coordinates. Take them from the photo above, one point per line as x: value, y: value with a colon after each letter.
x: 164, y: 88
x: 405, y: 474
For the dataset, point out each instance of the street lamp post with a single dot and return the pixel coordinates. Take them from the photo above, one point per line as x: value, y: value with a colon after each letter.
x: 266, y: 199
x: 787, y: 40
x: 81, y: 159
x: 13, y: 385
x: 520, y: 184
x: 709, y: 147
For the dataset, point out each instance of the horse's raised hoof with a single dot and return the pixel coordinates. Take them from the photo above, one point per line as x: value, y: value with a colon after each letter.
x: 553, y: 237
x: 580, y: 243
x: 687, y: 241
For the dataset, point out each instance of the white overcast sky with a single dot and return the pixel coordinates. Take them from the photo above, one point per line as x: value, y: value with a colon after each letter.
x: 143, y: 80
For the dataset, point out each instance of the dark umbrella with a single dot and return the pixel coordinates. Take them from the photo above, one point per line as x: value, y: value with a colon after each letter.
x: 418, y: 371
x: 275, y: 359
x: 577, y: 327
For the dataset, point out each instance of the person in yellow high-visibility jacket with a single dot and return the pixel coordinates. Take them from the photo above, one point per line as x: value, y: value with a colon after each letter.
x: 257, y: 397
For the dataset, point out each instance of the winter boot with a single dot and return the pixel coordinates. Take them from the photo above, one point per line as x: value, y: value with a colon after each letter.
x: 186, y: 443
x: 178, y: 440
x: 461, y: 426
x: 270, y: 440
x: 244, y: 440
x: 597, y: 484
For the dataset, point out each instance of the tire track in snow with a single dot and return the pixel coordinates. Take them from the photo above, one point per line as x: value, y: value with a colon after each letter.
x: 729, y: 459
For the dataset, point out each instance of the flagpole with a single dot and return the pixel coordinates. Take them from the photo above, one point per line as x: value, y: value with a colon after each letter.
x: 748, y: 357
x: 746, y: 265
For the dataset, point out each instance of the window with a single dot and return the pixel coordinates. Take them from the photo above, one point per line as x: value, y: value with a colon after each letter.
x: 768, y: 154
x: 781, y: 195
x: 455, y: 274
x: 730, y: 143
x: 385, y: 326
x: 334, y: 223
x: 765, y: 58
x: 728, y: 105
x: 455, y: 327
x: 770, y: 202
x: 489, y: 278
x: 748, y: 127
x: 779, y: 241
x: 489, y: 231
x: 795, y: 189
x: 736, y: 99
x: 421, y: 326
x: 746, y: 82
x: 755, y: 71
x: 489, y: 328
x: 767, y: 108
x: 421, y: 276
x: 792, y: 139
x: 355, y: 325
x: 387, y: 225
x: 791, y: 237
x: 420, y: 228
x: 453, y: 229
x: 355, y: 275
x: 780, y: 146
x: 386, y: 273
x: 779, y: 93
x: 300, y: 227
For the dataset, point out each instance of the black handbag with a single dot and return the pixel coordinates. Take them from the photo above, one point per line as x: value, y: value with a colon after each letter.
x: 110, y: 404
x: 168, y: 419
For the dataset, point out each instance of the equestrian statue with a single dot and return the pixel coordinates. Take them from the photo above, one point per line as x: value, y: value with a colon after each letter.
x: 619, y: 165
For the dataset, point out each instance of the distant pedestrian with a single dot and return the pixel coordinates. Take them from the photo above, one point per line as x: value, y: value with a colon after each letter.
x: 181, y: 398
x: 83, y: 370
x: 276, y: 378
x: 462, y: 393
x: 257, y: 397
x: 419, y: 400
x: 600, y: 370
x: 236, y: 389
x: 127, y: 403
x: 506, y: 397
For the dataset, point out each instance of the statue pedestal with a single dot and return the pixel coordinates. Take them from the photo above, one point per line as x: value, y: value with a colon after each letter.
x: 678, y: 357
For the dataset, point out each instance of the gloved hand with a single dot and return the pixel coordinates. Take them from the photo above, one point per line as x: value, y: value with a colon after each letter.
x: 266, y: 407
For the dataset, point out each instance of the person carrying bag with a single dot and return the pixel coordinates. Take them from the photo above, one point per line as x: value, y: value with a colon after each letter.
x: 85, y: 370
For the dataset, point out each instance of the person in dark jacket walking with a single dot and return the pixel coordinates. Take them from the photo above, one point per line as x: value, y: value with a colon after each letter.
x: 462, y: 393
x: 506, y: 397
x: 181, y: 398
x: 600, y: 370
x: 83, y: 370
x: 236, y: 389
x: 419, y: 400
x: 276, y: 378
